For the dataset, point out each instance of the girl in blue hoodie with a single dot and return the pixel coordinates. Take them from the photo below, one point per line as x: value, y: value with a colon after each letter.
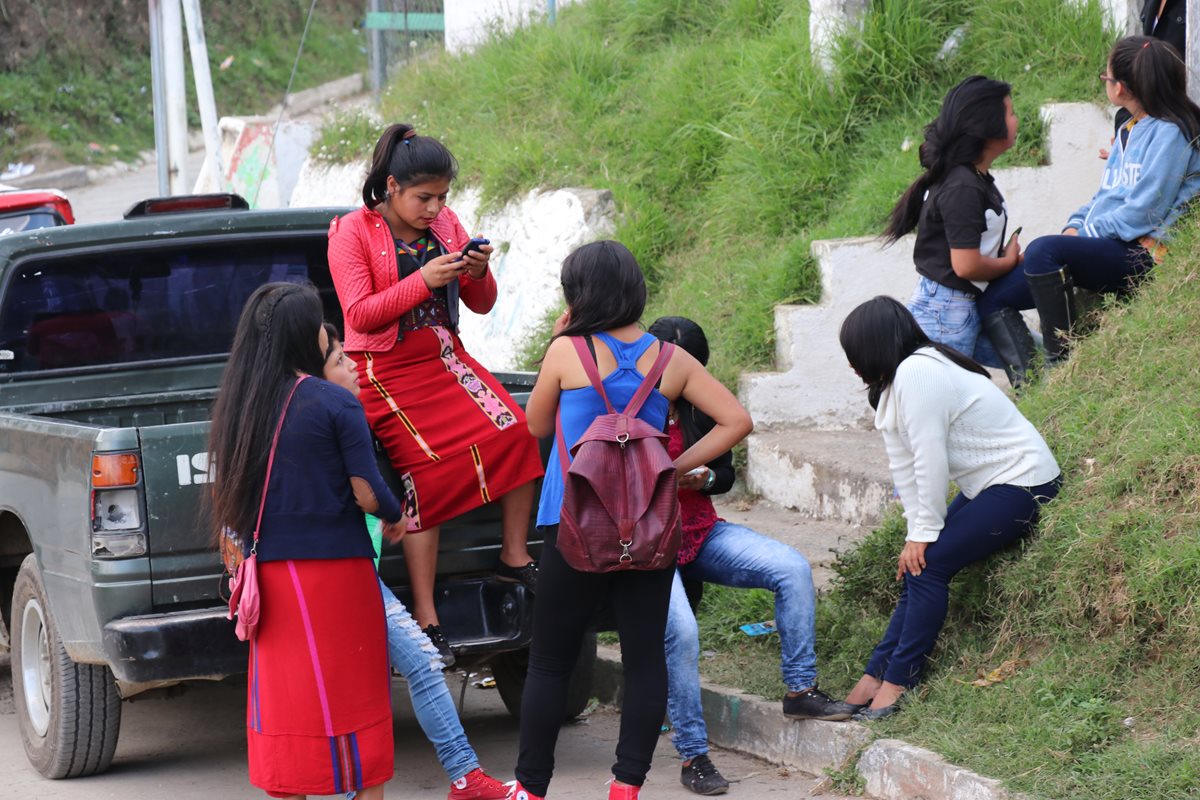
x: 1110, y: 243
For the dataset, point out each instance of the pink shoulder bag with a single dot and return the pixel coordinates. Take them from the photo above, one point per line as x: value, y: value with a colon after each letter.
x: 244, y: 599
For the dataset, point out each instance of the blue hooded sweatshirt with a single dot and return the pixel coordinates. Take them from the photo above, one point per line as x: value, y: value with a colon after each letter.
x: 1145, y: 185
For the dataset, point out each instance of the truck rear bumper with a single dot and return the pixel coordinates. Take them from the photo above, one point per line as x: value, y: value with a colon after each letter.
x: 480, y: 617
x: 177, y: 646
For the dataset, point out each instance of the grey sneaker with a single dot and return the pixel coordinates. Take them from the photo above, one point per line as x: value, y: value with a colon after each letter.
x: 702, y: 777
x: 815, y: 704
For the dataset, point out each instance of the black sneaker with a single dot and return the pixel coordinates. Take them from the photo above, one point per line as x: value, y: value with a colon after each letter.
x: 434, y: 632
x: 702, y: 777
x: 815, y: 704
x: 527, y: 574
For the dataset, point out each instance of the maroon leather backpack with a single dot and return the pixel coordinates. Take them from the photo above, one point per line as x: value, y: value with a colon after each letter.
x: 620, y: 507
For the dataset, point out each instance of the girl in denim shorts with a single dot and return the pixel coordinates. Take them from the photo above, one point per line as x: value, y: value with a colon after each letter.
x: 970, y: 290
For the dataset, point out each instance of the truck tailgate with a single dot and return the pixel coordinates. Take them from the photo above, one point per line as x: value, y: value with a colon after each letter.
x: 184, y: 566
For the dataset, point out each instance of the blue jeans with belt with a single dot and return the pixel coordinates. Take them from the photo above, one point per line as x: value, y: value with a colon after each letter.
x: 416, y: 658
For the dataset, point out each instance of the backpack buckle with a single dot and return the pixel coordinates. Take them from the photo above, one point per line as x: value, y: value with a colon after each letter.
x: 626, y: 556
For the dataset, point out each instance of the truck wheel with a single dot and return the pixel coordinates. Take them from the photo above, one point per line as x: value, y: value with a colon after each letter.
x: 509, y: 671
x: 69, y: 714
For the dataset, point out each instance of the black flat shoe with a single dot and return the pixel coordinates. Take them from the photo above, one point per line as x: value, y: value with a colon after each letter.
x: 439, y: 640
x: 867, y: 714
x: 526, y: 575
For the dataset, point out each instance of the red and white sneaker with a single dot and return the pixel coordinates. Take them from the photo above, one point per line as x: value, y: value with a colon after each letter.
x: 622, y: 791
x: 477, y: 785
x: 518, y: 792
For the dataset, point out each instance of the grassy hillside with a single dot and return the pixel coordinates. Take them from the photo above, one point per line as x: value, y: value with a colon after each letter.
x: 75, y: 79
x: 726, y: 150
x: 1100, y: 612
x: 728, y: 154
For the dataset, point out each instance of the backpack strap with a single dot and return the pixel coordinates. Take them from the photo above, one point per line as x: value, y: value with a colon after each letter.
x: 589, y: 366
x: 665, y: 350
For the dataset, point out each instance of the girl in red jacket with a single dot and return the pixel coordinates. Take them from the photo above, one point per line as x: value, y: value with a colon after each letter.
x: 453, y: 434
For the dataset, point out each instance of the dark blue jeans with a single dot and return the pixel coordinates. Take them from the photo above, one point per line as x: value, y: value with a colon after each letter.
x: 974, y: 529
x: 1107, y: 266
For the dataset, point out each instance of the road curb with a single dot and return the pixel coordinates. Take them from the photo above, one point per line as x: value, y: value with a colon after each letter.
x: 892, y: 769
x: 66, y: 178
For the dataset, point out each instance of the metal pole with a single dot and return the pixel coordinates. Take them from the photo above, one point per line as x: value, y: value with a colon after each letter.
x: 198, y: 48
x: 158, y: 91
x: 378, y: 54
x: 176, y: 94
x: 1193, y: 51
x: 551, y: 10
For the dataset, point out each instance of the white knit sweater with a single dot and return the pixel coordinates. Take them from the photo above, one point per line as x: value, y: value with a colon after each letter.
x: 943, y: 423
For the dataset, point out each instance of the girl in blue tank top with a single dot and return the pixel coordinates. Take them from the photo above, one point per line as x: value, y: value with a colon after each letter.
x: 606, y: 294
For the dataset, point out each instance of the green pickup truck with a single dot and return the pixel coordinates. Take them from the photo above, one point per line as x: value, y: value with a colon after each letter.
x: 112, y: 341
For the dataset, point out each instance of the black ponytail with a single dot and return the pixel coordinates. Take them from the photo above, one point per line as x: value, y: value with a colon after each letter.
x: 408, y: 158
x: 1155, y: 73
x: 972, y: 113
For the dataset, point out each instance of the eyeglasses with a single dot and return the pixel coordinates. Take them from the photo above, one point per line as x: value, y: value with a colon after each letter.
x: 1104, y: 76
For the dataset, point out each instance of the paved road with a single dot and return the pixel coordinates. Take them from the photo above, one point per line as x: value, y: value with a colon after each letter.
x: 109, y: 199
x: 192, y: 747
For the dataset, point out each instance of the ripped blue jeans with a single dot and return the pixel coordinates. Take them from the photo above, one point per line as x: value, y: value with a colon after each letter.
x: 415, y: 657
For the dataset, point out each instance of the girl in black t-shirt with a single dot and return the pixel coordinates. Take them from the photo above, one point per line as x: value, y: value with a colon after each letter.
x: 969, y: 283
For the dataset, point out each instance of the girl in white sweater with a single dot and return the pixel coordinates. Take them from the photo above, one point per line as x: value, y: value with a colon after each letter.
x: 942, y: 420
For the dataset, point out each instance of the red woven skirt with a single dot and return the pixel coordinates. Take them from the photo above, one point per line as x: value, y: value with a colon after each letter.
x: 318, y: 706
x: 452, y: 432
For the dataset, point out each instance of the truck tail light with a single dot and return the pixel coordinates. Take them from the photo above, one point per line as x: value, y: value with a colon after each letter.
x: 115, y: 469
x: 117, y: 529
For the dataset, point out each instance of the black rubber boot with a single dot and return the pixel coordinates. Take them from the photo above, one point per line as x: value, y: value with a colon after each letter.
x: 1012, y: 341
x: 1054, y: 296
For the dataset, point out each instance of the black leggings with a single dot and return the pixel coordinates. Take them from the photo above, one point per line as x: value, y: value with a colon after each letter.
x: 564, y: 607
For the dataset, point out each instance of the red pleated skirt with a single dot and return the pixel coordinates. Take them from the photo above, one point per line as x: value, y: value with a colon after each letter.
x: 452, y: 432
x: 318, y: 706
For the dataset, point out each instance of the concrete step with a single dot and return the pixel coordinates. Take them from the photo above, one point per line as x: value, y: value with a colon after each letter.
x: 818, y: 540
x: 814, y: 387
x: 825, y: 475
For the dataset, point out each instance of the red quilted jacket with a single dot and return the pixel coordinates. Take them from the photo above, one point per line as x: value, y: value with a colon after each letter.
x: 362, y: 261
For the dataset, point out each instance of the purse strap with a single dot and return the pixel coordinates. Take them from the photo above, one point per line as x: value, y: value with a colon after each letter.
x: 262, y: 504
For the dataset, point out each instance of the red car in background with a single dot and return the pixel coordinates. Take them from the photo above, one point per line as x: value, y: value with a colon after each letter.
x: 28, y: 209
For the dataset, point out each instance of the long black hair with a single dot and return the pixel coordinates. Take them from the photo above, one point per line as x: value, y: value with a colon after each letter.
x: 690, y: 336
x: 1156, y: 74
x: 277, y: 337
x: 407, y: 157
x: 879, y: 334
x: 972, y: 113
x: 604, y: 288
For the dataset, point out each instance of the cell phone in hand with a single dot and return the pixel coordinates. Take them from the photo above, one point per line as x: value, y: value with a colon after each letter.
x: 473, y: 247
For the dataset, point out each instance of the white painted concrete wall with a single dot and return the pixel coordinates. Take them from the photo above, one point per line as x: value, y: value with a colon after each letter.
x: 815, y: 388
x: 468, y: 22
x: 266, y: 176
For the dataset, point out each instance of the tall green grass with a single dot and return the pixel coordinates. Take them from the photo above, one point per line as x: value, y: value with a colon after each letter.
x: 726, y: 150
x: 93, y: 104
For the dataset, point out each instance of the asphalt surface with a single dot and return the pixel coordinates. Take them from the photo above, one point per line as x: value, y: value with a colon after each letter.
x: 192, y: 745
